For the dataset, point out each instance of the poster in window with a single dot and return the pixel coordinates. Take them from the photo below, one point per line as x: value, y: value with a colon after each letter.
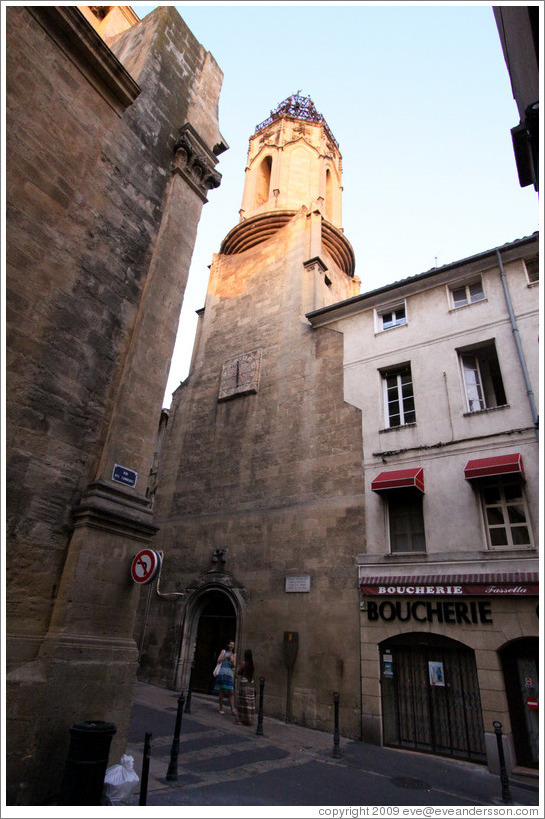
x: 388, y: 668
x: 437, y: 673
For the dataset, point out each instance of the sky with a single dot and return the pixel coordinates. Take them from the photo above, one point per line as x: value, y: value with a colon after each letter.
x: 419, y: 100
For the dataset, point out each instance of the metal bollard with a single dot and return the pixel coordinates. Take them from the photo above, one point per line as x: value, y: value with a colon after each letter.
x: 259, y: 730
x: 506, y: 797
x: 190, y: 689
x: 145, y: 770
x: 336, y: 737
x: 172, y: 773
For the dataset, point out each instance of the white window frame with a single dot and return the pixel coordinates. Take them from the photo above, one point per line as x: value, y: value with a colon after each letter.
x: 398, y: 312
x: 472, y: 295
x: 530, y: 266
x: 405, y: 412
x: 502, y: 508
x: 473, y: 382
x: 481, y: 386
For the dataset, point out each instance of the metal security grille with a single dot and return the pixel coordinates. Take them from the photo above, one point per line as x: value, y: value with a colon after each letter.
x: 440, y: 715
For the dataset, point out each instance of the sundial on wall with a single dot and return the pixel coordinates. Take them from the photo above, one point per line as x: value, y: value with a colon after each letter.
x: 240, y: 375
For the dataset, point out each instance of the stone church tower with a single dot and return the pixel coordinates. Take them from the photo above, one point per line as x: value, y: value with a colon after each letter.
x: 259, y: 497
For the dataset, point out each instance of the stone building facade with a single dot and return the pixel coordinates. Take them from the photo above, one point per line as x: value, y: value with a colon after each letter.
x: 111, y: 151
x: 445, y: 370
x: 355, y: 475
x: 260, y: 490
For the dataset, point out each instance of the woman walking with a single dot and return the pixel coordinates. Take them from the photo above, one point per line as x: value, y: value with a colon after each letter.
x: 246, y: 691
x: 225, y: 681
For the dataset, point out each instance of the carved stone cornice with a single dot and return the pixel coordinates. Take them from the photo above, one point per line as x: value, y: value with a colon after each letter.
x: 115, y: 510
x: 195, y: 162
x: 315, y: 264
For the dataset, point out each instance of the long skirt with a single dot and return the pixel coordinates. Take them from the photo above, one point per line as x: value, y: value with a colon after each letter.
x: 246, y: 701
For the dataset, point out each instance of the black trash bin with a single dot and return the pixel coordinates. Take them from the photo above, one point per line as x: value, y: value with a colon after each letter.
x: 86, y: 763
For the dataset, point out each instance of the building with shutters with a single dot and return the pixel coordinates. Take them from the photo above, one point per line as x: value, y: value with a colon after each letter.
x: 444, y: 367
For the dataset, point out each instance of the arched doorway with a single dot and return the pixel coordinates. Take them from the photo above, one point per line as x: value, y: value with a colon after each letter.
x: 520, y: 663
x: 430, y: 696
x: 217, y: 625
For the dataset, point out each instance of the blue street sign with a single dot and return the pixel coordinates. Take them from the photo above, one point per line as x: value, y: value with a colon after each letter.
x: 123, y: 475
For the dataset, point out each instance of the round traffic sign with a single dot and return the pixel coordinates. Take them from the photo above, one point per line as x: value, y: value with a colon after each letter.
x: 532, y: 703
x: 145, y: 566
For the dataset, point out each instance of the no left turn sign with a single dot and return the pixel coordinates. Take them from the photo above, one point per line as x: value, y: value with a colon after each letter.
x: 145, y: 566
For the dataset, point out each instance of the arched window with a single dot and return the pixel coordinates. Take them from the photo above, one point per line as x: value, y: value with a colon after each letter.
x: 263, y: 181
x: 328, y: 196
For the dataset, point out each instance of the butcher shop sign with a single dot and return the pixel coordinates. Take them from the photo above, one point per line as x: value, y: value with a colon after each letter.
x: 417, y: 588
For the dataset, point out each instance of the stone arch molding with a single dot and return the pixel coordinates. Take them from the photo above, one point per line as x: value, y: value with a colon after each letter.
x: 186, y: 628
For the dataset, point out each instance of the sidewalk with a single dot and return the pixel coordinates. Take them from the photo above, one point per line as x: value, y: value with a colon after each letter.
x: 220, y: 763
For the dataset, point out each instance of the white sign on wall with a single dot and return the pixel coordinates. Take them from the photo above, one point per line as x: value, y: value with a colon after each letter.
x: 298, y: 583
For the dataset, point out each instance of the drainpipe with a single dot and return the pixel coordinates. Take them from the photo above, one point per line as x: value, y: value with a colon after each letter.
x: 518, y: 345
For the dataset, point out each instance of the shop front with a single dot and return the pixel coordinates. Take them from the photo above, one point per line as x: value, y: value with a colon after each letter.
x: 446, y: 657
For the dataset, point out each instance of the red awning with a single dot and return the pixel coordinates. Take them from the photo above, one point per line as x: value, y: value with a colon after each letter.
x: 525, y: 584
x: 399, y: 479
x: 499, y: 465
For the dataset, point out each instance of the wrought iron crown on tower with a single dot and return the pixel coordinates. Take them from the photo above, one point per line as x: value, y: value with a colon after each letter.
x: 297, y: 107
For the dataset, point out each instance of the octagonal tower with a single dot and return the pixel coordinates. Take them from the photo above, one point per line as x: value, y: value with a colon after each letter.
x: 294, y: 160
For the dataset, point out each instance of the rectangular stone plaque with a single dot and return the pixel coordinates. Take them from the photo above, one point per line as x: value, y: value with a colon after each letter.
x: 298, y: 583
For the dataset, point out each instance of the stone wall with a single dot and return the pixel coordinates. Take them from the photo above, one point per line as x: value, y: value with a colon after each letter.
x: 272, y: 479
x: 103, y: 204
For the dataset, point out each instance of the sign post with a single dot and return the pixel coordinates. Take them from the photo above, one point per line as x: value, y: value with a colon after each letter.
x: 144, y: 568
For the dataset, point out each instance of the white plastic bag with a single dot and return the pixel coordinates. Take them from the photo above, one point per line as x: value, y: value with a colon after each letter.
x: 119, y: 781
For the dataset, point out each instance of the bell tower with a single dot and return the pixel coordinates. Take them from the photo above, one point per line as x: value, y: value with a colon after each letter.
x: 261, y: 460
x: 294, y: 160
x: 293, y: 184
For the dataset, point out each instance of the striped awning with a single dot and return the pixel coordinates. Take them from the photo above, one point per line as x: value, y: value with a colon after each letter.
x: 498, y: 465
x: 399, y: 479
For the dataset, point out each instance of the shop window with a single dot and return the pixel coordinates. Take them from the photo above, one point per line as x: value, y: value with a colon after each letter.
x: 505, y: 512
x: 467, y: 294
x: 398, y: 396
x: 482, y: 378
x: 406, y: 521
x: 419, y: 715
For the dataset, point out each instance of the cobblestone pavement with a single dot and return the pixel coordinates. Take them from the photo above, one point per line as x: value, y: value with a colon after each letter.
x: 221, y: 763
